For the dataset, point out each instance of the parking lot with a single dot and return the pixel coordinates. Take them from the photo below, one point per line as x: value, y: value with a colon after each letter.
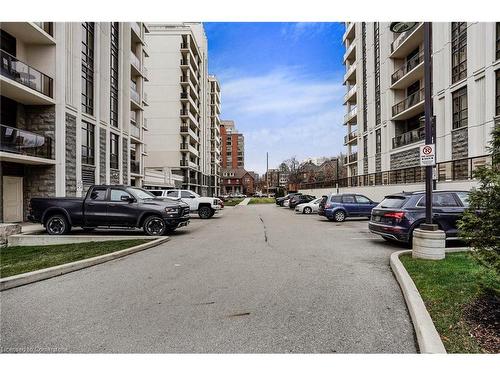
x: 256, y: 278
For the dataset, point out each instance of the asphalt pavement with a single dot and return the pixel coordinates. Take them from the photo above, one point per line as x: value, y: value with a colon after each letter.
x: 255, y: 279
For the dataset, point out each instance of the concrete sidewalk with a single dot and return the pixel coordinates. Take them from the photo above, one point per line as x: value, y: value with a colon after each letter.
x: 244, y: 202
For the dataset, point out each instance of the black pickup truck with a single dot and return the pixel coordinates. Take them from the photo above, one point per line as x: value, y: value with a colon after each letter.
x: 115, y: 206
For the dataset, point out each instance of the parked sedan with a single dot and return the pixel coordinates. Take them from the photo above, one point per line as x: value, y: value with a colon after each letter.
x: 308, y: 208
x: 280, y: 201
x: 337, y: 207
x: 397, y: 216
x: 298, y: 199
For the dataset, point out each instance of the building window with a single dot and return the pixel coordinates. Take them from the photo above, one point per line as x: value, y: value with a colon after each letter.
x: 498, y: 40
x: 88, y: 67
x: 113, y: 151
x: 377, y: 72
x: 460, y: 108
x: 497, y: 94
x: 458, y: 51
x: 363, y: 56
x: 365, y: 146
x: 378, y: 141
x: 88, y: 147
x: 113, y: 116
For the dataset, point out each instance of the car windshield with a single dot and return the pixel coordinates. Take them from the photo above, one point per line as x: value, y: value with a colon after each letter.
x: 141, y: 193
x: 392, y: 202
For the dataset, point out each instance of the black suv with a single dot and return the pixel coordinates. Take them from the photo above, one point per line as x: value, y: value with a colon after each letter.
x: 397, y: 216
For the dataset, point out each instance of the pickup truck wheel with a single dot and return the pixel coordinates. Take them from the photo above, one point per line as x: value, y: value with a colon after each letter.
x: 205, y: 212
x: 57, y: 225
x: 154, y: 226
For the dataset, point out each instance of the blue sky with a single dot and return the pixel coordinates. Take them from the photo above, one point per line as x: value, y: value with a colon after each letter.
x: 282, y: 85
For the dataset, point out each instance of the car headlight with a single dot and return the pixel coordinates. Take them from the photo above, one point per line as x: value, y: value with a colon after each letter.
x: 171, y: 210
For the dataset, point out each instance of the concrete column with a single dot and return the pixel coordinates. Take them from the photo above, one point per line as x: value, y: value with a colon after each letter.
x: 429, y: 244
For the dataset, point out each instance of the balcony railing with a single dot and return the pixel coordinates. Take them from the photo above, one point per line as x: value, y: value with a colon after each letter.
x: 145, y: 97
x: 135, y: 61
x: 135, y: 166
x: 351, y: 91
x: 408, y: 102
x: 454, y: 170
x: 349, y: 50
x: 145, y: 123
x: 184, y: 146
x: 46, y: 26
x: 408, y: 138
x: 350, y: 137
x: 406, y: 67
x: 135, y: 26
x: 349, y: 71
x: 23, y: 142
x: 349, y: 115
x: 401, y: 38
x: 25, y: 75
x: 135, y: 131
x: 134, y: 95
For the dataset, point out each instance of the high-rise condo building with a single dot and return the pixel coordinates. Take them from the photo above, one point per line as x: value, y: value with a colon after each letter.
x: 233, y: 146
x: 72, y: 104
x: 179, y: 115
x: 384, y: 100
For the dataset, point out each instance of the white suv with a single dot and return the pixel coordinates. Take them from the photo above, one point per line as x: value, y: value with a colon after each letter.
x: 205, y: 206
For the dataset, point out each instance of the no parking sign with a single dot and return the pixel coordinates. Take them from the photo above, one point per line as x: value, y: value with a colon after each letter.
x: 427, y: 155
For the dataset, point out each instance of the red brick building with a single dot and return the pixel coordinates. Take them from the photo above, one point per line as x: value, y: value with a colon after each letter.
x: 233, y: 146
x: 237, y: 181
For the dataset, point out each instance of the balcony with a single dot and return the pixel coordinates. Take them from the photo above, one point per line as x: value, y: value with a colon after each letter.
x: 25, y: 147
x: 135, y: 131
x: 407, y: 42
x: 135, y: 99
x: 409, y: 107
x: 145, y: 73
x: 351, y: 116
x: 350, y: 95
x: 145, y: 98
x: 409, y: 72
x: 24, y: 83
x: 136, y: 32
x: 187, y: 147
x: 136, y: 63
x: 186, y: 130
x: 351, y: 158
x: 350, y: 74
x: 145, y: 124
x: 408, y: 138
x: 135, y: 166
x: 352, y: 136
x: 41, y: 33
x: 349, y: 31
x: 350, y: 53
x: 188, y: 163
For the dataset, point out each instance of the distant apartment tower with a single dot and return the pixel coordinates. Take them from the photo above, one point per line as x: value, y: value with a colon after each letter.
x: 179, y: 119
x: 384, y: 99
x: 215, y: 138
x: 233, y: 146
x: 72, y: 105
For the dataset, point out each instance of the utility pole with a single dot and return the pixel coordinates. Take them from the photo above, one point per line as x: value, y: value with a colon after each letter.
x: 267, y: 174
x: 337, y: 170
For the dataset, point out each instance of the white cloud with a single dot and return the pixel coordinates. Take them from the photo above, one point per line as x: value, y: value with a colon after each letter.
x: 285, y: 112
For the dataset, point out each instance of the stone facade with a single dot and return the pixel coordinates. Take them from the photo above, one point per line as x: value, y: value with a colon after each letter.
x: 405, y: 159
x: 39, y: 182
x: 102, y: 157
x: 70, y: 155
x: 125, y: 161
x: 459, y: 143
x: 114, y: 177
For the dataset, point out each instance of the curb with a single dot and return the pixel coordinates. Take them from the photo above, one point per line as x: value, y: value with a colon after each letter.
x: 429, y: 341
x: 47, y: 273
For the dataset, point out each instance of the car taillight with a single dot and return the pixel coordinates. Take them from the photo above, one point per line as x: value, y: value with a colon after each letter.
x: 395, y: 215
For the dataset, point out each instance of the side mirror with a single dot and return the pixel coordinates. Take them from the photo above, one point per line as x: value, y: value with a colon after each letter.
x: 126, y: 198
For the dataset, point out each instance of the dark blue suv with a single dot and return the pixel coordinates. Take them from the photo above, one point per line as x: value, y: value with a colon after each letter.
x: 397, y: 216
x: 337, y: 207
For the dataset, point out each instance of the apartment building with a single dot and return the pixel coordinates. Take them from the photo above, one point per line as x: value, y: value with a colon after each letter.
x: 72, y: 106
x: 384, y: 100
x: 233, y: 146
x: 215, y: 139
x: 179, y: 115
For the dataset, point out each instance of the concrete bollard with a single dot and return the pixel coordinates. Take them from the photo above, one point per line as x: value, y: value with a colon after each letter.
x: 429, y: 244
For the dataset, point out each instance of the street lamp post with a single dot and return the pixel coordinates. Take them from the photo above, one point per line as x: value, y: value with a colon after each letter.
x: 400, y: 27
x: 428, y: 241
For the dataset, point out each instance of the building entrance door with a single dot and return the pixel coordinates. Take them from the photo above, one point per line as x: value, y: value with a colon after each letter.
x: 12, y: 199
